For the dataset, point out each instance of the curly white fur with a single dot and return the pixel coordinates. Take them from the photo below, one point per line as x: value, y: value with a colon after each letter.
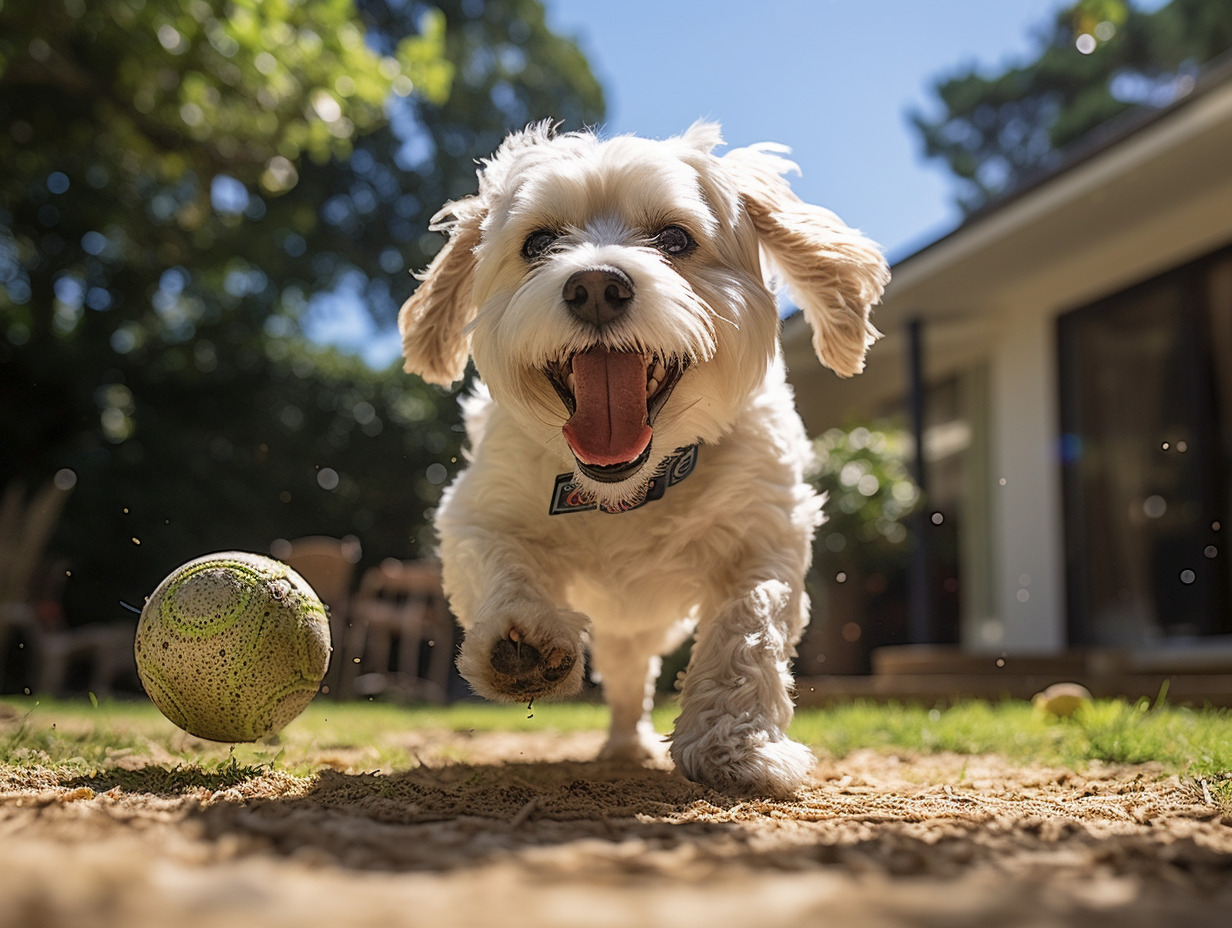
x: 725, y: 551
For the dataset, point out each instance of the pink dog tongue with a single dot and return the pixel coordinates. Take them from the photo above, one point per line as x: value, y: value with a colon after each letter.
x: 609, y: 426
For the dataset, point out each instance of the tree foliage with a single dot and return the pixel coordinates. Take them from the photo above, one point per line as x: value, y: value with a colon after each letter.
x: 863, y: 474
x: 1097, y: 60
x: 189, y: 185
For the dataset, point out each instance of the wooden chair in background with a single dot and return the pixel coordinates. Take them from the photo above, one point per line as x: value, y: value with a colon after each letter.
x: 31, y: 619
x: 398, y: 602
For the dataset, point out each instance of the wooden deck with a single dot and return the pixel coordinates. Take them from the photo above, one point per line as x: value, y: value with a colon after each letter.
x: 942, y: 674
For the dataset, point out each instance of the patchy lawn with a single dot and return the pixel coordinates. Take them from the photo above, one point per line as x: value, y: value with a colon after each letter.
x: 370, y: 814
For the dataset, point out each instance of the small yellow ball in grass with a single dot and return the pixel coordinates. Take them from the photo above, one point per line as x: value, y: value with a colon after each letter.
x: 232, y: 646
x: 1062, y: 699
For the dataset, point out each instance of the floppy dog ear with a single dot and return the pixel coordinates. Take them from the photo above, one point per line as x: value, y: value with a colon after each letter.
x: 835, y: 273
x: 433, y: 321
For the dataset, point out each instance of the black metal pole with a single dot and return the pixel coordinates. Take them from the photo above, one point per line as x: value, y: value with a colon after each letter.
x: 920, y: 615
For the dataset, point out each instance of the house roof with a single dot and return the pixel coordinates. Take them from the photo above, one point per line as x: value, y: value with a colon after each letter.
x: 1109, y: 135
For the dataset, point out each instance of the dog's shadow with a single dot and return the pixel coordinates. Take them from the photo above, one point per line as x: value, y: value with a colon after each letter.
x: 452, y: 815
x: 562, y: 817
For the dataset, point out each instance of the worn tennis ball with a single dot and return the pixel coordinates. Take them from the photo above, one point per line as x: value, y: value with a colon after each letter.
x: 1062, y: 699
x: 232, y: 646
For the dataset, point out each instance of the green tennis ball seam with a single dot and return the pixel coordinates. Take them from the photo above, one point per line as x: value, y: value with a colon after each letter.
x: 152, y: 677
x: 170, y: 611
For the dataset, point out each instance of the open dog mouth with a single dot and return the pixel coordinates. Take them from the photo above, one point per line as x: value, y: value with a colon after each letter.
x: 613, y: 398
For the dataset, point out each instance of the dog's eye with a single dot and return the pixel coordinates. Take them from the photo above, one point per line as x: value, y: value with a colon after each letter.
x: 674, y: 240
x: 537, y: 243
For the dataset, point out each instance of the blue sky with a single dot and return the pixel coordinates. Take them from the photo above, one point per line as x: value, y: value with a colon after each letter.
x: 832, y: 79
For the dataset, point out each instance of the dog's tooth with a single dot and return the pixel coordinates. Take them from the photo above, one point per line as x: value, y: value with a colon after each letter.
x: 569, y: 381
x: 652, y: 386
x: 659, y: 372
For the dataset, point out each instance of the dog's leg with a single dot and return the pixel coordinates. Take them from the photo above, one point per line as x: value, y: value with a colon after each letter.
x: 518, y: 645
x: 736, y: 700
x: 628, y: 669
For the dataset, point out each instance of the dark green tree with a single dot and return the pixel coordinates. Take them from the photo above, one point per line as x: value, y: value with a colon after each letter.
x: 189, y: 184
x: 1097, y: 60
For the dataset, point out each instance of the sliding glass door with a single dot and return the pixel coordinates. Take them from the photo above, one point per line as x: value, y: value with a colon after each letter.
x: 1146, y: 447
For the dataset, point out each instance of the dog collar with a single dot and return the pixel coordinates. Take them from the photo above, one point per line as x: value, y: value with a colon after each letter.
x: 568, y: 495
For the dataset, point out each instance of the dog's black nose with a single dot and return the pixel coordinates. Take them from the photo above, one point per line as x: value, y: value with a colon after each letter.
x: 598, y: 294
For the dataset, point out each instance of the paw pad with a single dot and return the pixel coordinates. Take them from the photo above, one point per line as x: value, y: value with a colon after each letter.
x: 522, y: 670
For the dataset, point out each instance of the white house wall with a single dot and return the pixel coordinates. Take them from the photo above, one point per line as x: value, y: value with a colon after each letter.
x: 1024, y: 483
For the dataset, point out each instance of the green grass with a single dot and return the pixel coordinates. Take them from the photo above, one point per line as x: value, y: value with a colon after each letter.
x: 1195, y: 743
x: 79, y: 739
x: 82, y: 738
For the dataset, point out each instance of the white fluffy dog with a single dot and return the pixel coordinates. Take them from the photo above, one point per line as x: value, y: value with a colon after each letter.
x: 636, y: 462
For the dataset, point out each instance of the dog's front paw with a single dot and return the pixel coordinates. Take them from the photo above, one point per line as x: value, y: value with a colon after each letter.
x: 738, y: 761
x: 521, y: 670
x: 517, y: 667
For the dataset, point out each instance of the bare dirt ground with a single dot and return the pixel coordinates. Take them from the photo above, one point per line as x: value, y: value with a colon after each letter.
x: 525, y: 832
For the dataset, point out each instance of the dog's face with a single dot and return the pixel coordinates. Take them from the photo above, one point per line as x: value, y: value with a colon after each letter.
x: 613, y: 296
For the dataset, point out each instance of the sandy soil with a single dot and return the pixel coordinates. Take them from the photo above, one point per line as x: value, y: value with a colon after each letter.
x: 525, y: 832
